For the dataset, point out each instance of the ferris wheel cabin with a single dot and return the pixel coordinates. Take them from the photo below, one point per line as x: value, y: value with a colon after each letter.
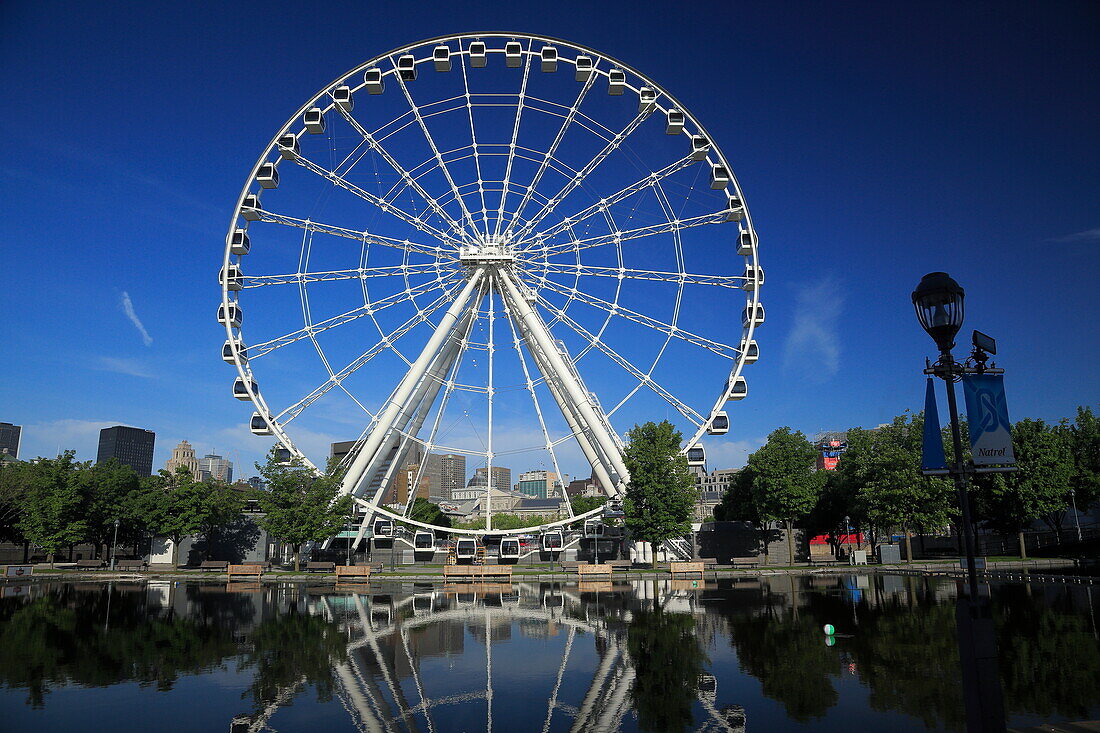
x: 258, y: 425
x: 738, y: 389
x: 465, y: 548
x: 719, y: 177
x: 549, y: 56
x: 584, y: 68
x: 244, y: 389
x: 735, y: 210
x: 616, y: 82
x: 230, y: 277
x: 372, y: 79
x: 441, y: 57
x: 233, y: 351
x: 745, y: 243
x: 647, y: 99
x: 268, y: 176
x: 314, y: 121
x: 674, y: 122
x: 552, y: 541
x: 231, y: 316
x: 238, y: 242
x: 696, y: 456
x: 748, y: 315
x: 383, y: 529
x: 250, y: 208
x: 719, y: 424
x: 478, y: 55
x: 406, y: 67
x: 341, y: 95
x: 512, y: 53
x: 754, y: 277
x: 593, y: 529
x: 509, y: 549
x: 424, y: 541
x: 750, y: 350
x: 288, y: 147
x: 700, y: 146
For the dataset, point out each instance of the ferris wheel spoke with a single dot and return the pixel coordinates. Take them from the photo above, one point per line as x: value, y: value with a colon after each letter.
x: 374, y: 199
x: 337, y: 378
x: 473, y: 143
x: 434, y: 148
x: 634, y: 371
x: 512, y: 144
x: 583, y: 173
x: 551, y: 152
x: 614, y: 309
x: 641, y: 184
x: 266, y: 347
x: 618, y: 237
x: 361, y: 273
x: 489, y: 393
x: 359, y: 236
x: 405, y: 176
x: 734, y: 282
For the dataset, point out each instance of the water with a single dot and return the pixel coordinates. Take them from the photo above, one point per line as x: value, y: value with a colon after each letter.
x: 745, y: 654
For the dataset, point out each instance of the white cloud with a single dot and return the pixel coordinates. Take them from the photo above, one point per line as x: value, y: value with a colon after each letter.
x: 130, y: 367
x: 49, y: 438
x: 1089, y: 235
x: 813, y: 344
x: 128, y: 309
x: 730, y: 453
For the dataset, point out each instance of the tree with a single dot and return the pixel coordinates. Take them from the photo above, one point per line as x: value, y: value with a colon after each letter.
x: 54, y: 516
x: 668, y: 660
x: 737, y: 503
x: 429, y: 513
x: 660, y: 496
x: 299, y: 504
x: 14, y: 486
x: 106, y: 487
x: 1085, y: 435
x: 176, y: 506
x: 583, y: 504
x: 785, y: 485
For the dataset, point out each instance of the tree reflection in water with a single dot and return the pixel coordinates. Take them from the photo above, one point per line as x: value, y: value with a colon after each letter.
x: 668, y: 663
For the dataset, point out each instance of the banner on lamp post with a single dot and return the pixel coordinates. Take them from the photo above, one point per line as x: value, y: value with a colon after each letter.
x: 932, y: 458
x: 987, y: 419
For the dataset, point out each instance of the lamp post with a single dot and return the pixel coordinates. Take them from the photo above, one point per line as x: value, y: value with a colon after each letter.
x: 938, y: 301
x: 1076, y: 516
x: 114, y: 544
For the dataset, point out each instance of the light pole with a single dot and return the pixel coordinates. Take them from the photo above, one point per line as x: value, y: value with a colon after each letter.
x: 114, y: 544
x: 1076, y: 516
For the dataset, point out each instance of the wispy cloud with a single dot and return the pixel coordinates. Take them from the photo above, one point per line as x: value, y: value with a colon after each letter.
x: 731, y: 453
x: 50, y: 437
x: 1089, y: 235
x: 128, y: 309
x: 813, y: 345
x: 129, y: 367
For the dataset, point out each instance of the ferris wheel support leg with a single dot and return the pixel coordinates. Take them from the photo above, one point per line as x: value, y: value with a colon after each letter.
x: 353, y: 480
x: 534, y: 329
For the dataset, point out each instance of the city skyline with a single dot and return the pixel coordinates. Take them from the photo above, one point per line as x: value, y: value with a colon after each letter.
x: 868, y: 160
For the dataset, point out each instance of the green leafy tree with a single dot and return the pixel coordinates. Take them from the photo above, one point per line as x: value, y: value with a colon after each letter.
x: 55, y: 513
x: 299, y: 504
x: 738, y: 504
x: 785, y: 485
x: 176, y: 506
x: 14, y: 487
x: 1085, y: 434
x: 582, y: 504
x: 106, y: 487
x: 661, y: 494
x: 429, y: 513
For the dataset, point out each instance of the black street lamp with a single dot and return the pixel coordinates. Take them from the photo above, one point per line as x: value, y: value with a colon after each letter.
x: 114, y: 543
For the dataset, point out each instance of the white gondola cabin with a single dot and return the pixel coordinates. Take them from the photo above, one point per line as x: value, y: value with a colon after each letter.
x: 441, y: 57
x: 616, y: 82
x: 230, y: 277
x: 549, y: 56
x: 700, y: 146
x: 719, y: 176
x: 238, y: 242
x: 383, y: 529
x: 250, y: 208
x: 478, y: 57
x: 244, y: 389
x: 751, y: 351
x: 288, y: 147
x: 231, y: 316
x: 465, y: 548
x: 745, y: 243
x: 593, y: 529
x: 233, y: 351
x: 372, y: 79
x: 647, y: 99
x: 423, y: 541
x: 735, y: 210
x: 719, y: 424
x: 754, y: 277
x: 341, y: 95
x: 696, y: 456
x: 584, y: 68
x: 513, y: 53
x: 674, y: 122
x: 258, y: 425
x: 552, y: 541
x: 738, y: 389
x: 406, y: 67
x: 748, y: 315
x: 423, y: 604
x: 268, y: 176
x: 283, y: 456
x: 509, y: 549
x: 314, y: 120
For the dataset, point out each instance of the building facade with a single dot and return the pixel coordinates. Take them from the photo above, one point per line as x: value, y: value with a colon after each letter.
x: 130, y: 446
x: 541, y: 484
x: 10, y: 436
x: 405, y: 478
x: 213, y: 467
x: 711, y: 486
x: 183, y: 455
x: 502, y: 478
x: 446, y: 474
x: 830, y: 446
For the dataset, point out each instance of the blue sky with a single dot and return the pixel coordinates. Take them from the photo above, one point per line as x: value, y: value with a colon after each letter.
x: 874, y: 143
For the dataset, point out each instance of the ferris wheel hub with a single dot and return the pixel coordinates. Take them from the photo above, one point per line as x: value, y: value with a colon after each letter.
x: 488, y: 251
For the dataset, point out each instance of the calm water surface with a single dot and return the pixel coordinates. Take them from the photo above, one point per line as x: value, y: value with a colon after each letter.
x: 742, y: 655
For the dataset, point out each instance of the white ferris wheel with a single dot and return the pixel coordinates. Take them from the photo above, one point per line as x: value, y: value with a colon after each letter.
x: 493, y: 246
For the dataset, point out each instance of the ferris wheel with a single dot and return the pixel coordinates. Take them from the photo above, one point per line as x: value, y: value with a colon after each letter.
x: 492, y: 246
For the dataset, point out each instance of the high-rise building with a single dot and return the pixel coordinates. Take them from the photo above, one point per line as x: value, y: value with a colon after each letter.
x: 183, y: 455
x: 541, y: 484
x: 405, y: 478
x: 130, y: 446
x: 213, y: 467
x: 446, y: 474
x: 10, y: 436
x: 502, y: 478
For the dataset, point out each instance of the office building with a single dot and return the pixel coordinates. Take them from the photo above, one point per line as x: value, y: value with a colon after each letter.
x: 502, y: 478
x: 10, y: 435
x: 257, y: 483
x: 130, y: 446
x: 183, y: 455
x: 213, y: 467
x: 540, y: 484
x: 405, y: 478
x: 446, y: 474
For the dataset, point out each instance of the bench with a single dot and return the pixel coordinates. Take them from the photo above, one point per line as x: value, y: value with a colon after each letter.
x: 245, y: 571
x: 324, y: 567
x: 744, y: 562
x: 620, y: 564
x: 219, y: 565
x: 130, y: 565
x: 599, y: 570
x: 265, y: 564
x: 682, y: 568
x: 823, y: 560
x: 89, y: 564
x: 352, y: 571
x: 477, y: 571
x: 570, y: 564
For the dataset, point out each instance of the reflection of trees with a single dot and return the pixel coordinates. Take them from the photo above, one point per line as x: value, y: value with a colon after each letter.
x: 668, y: 660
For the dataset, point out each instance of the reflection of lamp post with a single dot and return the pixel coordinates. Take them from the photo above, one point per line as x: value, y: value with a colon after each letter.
x: 938, y: 301
x: 1076, y: 517
x: 114, y: 543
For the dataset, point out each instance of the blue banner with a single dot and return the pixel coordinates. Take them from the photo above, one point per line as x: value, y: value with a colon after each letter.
x: 987, y: 419
x: 932, y: 458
